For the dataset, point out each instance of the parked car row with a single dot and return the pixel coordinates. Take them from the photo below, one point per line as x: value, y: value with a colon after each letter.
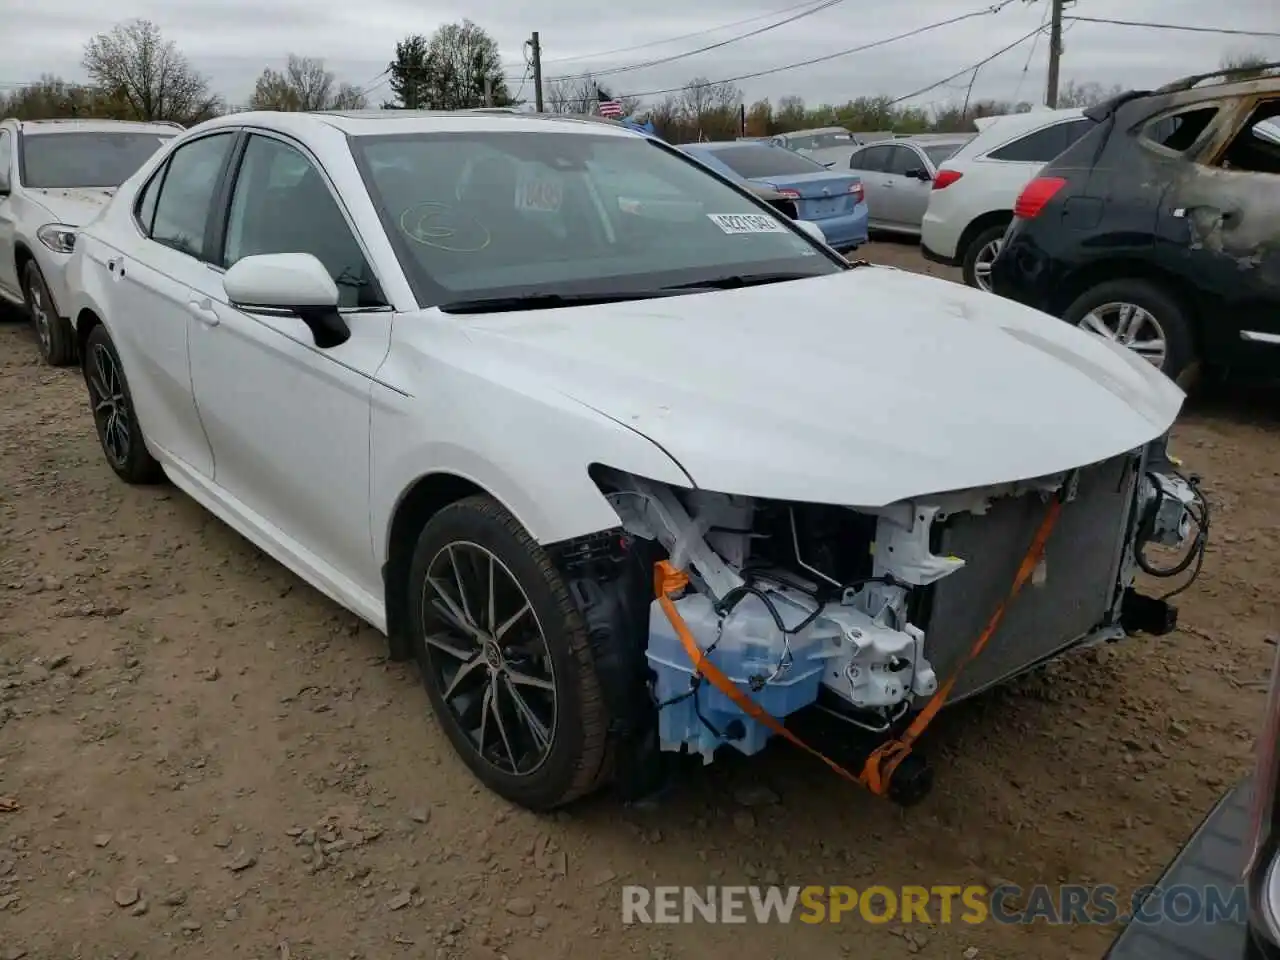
x: 568, y: 415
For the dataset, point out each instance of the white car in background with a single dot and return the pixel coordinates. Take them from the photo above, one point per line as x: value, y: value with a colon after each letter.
x: 971, y: 201
x: 56, y: 176
x: 456, y: 373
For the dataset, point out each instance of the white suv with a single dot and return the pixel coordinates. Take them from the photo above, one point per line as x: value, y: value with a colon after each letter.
x: 971, y: 203
x: 55, y: 176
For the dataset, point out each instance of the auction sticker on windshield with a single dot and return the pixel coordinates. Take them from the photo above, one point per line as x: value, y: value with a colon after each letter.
x: 539, y: 193
x: 746, y: 223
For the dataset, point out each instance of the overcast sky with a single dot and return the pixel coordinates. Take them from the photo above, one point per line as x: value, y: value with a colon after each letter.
x: 232, y: 40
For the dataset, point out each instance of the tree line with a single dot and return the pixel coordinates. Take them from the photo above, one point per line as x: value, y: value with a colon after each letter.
x: 136, y: 74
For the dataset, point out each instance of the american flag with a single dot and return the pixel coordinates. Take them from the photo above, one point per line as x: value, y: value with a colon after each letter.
x: 611, y: 108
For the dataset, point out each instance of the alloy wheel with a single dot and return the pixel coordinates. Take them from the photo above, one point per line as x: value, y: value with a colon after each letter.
x: 110, y: 406
x: 1132, y: 326
x: 40, y: 317
x: 982, y: 263
x: 488, y: 657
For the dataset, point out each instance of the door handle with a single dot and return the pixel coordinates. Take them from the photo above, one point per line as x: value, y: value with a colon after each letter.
x: 204, y: 311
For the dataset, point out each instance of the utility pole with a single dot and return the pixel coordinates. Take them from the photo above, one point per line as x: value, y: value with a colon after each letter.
x: 1055, y: 54
x: 535, y: 56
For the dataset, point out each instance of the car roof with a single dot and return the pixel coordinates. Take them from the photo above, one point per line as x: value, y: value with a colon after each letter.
x: 74, y: 125
x: 812, y: 130
x: 359, y: 123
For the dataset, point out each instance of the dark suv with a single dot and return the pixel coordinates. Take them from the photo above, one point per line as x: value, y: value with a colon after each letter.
x: 1160, y: 228
x: 1220, y: 897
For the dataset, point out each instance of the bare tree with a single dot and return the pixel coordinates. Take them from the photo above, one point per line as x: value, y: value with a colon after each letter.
x: 304, y: 85
x: 583, y: 94
x: 148, y: 75
x: 1251, y: 62
x: 1089, y: 94
x: 460, y: 58
x: 711, y: 108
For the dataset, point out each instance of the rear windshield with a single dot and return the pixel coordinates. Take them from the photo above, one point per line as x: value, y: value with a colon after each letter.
x: 63, y: 161
x: 938, y: 152
x: 819, y: 141
x: 764, y: 160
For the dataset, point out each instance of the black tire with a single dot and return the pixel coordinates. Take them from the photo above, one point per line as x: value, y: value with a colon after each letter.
x: 109, y: 392
x: 577, y: 760
x: 969, y: 263
x: 54, y: 336
x: 1181, y: 363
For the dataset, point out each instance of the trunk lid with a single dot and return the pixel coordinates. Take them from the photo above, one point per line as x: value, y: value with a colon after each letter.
x: 818, y: 195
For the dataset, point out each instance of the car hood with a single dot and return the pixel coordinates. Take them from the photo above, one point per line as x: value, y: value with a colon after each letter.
x: 861, y: 388
x: 74, y: 207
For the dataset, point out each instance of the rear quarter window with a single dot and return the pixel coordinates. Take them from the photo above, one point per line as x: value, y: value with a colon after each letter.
x: 1044, y: 144
x: 1178, y: 131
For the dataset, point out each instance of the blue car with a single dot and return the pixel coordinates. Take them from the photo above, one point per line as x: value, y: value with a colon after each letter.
x: 834, y: 201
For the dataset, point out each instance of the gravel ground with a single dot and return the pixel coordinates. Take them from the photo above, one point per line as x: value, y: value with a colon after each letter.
x: 201, y: 756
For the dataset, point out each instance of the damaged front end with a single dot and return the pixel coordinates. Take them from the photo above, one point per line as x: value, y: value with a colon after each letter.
x: 859, y: 613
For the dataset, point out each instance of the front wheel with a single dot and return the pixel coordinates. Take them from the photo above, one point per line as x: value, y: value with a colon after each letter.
x: 980, y: 254
x: 1145, y: 318
x: 53, y: 332
x: 113, y: 414
x: 505, y: 657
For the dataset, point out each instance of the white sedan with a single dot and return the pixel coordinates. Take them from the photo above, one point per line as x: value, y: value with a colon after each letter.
x: 459, y: 375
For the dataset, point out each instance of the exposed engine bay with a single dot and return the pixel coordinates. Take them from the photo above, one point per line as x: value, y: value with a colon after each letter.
x: 862, y: 612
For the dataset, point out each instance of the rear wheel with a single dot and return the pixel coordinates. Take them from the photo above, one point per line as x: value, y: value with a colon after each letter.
x: 53, y: 333
x: 980, y: 254
x: 505, y: 657
x: 1144, y: 317
x: 113, y: 414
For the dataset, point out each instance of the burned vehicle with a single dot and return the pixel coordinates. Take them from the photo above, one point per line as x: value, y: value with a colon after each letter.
x: 1160, y: 227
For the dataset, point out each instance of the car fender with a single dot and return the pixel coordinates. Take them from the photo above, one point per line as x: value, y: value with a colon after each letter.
x: 530, y: 449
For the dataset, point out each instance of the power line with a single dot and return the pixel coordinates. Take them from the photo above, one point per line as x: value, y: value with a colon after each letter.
x: 613, y: 71
x: 1031, y: 53
x: 683, y: 36
x: 1177, y: 26
x: 985, y: 11
x: 976, y: 66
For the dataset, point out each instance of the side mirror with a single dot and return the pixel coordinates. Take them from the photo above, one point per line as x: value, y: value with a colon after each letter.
x: 5, y: 186
x: 919, y: 173
x: 812, y: 231
x: 296, y: 282
x: 1268, y: 131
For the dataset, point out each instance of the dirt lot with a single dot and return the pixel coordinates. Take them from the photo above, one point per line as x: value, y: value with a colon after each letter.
x: 210, y: 759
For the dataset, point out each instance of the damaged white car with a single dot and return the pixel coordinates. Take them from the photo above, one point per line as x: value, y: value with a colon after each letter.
x: 631, y: 472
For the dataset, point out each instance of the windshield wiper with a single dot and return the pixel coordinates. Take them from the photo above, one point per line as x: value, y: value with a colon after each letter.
x: 545, y: 301
x: 738, y: 280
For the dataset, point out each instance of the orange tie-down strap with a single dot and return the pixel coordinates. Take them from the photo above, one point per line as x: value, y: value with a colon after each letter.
x: 884, y: 760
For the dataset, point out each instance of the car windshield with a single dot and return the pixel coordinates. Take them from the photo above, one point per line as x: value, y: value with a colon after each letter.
x: 764, y: 160
x: 479, y: 215
x: 938, y: 152
x: 56, y: 161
